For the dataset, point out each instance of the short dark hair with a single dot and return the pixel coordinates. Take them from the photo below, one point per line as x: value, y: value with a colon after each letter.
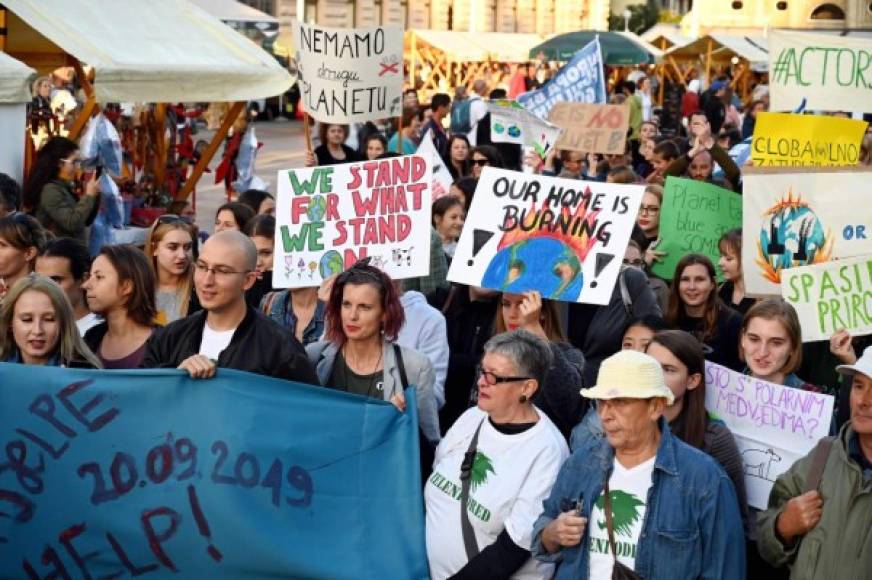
x: 491, y: 153
x: 131, y: 264
x: 261, y: 225
x: 443, y: 204
x: 667, y: 150
x: 628, y: 85
x: 498, y: 93
x: 10, y: 193
x: 73, y: 250
x: 440, y: 100
x: 241, y: 213
x: 253, y: 198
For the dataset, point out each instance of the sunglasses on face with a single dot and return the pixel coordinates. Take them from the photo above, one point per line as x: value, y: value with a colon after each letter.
x: 480, y: 162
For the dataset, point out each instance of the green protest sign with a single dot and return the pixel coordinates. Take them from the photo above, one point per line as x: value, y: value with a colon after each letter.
x: 693, y: 217
x: 830, y: 296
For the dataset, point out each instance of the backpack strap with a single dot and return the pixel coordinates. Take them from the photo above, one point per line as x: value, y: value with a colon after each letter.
x: 818, y: 463
x: 626, y: 299
x: 268, y: 302
x: 466, y: 530
x: 401, y: 366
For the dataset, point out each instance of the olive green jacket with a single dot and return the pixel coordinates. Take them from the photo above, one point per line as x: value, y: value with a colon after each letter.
x: 63, y: 214
x: 840, y: 545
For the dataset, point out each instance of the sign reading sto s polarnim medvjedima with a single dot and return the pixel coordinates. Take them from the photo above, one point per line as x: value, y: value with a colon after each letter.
x: 349, y: 75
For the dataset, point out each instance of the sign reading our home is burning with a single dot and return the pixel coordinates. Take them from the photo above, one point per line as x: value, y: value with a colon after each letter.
x: 565, y: 238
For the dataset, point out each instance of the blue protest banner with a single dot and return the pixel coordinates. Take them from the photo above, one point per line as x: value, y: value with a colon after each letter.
x: 581, y: 80
x: 107, y: 474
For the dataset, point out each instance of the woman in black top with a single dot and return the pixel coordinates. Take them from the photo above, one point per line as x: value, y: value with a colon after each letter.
x: 732, y: 291
x: 332, y: 150
x: 694, y: 307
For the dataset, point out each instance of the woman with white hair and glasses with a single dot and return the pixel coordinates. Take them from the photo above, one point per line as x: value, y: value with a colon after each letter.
x: 493, y: 469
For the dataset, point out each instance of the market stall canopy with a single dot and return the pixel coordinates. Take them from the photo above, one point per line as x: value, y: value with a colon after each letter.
x: 15, y: 79
x: 618, y: 50
x: 665, y: 36
x: 724, y: 47
x: 234, y: 11
x: 655, y: 52
x: 144, y: 50
x: 460, y: 46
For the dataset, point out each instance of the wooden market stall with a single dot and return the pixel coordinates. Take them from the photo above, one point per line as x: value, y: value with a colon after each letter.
x: 144, y: 51
x: 444, y: 59
x: 714, y: 52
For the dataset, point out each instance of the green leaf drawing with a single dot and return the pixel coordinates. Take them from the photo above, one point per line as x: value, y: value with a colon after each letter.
x: 625, y: 511
x: 480, y: 468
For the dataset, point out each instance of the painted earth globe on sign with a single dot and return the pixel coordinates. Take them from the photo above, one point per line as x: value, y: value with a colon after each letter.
x: 317, y: 209
x: 542, y: 264
x: 791, y: 236
x: 330, y: 263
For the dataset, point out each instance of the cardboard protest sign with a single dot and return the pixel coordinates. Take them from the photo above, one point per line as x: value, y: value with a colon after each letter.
x: 327, y: 218
x: 512, y: 123
x: 581, y: 80
x: 783, y: 139
x: 831, y: 296
x: 693, y: 217
x: 563, y: 237
x: 591, y: 128
x: 349, y: 75
x: 149, y: 472
x: 828, y: 72
x: 798, y: 219
x: 442, y: 179
x: 773, y: 425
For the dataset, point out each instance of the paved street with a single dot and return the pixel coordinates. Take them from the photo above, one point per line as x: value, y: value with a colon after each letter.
x: 283, y: 148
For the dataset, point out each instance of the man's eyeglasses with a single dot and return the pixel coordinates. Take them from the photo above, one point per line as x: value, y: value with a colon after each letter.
x: 222, y: 272
x: 480, y: 162
x: 494, y: 379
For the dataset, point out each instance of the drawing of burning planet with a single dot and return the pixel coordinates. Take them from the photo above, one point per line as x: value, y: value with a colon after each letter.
x: 539, y: 263
x: 791, y: 235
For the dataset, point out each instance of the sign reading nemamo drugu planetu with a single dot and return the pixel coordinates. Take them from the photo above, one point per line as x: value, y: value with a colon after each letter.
x: 329, y: 217
x: 349, y: 75
x: 565, y: 238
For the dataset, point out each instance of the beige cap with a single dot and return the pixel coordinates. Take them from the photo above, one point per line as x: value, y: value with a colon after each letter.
x: 630, y: 374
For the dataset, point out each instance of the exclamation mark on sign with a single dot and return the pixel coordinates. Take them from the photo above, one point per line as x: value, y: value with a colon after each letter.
x: 202, y: 524
x: 602, y: 260
x: 479, y: 239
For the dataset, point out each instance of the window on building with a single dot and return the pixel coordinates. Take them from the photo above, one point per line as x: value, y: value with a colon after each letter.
x: 737, y: 5
x: 781, y: 5
x: 828, y: 12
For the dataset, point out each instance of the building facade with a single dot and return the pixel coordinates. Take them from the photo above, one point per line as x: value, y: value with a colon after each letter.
x: 761, y: 14
x: 536, y: 16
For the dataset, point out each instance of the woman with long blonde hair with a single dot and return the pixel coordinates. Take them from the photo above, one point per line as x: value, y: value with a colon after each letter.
x: 38, y: 327
x: 169, y: 248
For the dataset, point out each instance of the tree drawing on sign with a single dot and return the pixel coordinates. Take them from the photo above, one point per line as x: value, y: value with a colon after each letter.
x: 758, y: 462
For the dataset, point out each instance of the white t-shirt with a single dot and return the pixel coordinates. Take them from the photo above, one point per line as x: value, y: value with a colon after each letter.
x: 629, y: 492
x: 477, y: 111
x: 511, y: 476
x: 214, y: 341
x: 87, y: 322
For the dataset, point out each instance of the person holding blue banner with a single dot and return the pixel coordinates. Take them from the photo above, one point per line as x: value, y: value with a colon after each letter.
x: 228, y: 332
x: 38, y: 327
x: 494, y: 468
x: 360, y: 354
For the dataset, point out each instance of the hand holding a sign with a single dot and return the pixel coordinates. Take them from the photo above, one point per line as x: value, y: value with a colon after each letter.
x: 799, y: 516
x: 652, y: 255
x: 531, y: 313
x: 199, y: 367
x: 841, y: 347
x: 310, y: 159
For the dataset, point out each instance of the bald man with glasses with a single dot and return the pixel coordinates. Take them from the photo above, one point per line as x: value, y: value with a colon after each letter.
x: 227, y: 332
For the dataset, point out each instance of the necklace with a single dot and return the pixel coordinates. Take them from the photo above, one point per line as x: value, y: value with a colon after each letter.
x: 372, y: 376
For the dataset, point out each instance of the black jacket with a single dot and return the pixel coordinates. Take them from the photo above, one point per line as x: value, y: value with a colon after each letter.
x: 259, y: 346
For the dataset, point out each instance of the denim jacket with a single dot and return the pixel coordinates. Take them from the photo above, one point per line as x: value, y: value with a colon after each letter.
x: 692, y: 526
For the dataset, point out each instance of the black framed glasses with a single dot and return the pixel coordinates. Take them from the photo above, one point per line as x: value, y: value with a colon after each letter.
x: 494, y: 379
x: 480, y: 162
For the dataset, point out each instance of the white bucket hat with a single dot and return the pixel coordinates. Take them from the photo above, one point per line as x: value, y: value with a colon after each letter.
x: 862, y: 366
x: 630, y: 374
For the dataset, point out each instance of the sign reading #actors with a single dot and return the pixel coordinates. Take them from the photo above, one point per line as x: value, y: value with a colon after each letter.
x: 327, y: 218
x: 349, y: 75
x: 565, y: 238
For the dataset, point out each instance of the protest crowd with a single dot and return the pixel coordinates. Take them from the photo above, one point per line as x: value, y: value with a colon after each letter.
x: 558, y: 437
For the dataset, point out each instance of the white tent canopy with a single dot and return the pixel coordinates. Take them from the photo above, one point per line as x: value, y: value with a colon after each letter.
x: 146, y: 50
x: 724, y: 46
x: 234, y: 11
x: 462, y: 46
x: 15, y: 78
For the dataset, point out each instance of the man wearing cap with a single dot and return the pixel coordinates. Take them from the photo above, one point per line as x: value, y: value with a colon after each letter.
x: 672, y: 510
x: 819, y: 520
